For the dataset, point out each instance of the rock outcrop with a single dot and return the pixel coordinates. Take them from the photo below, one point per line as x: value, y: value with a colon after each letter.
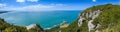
x: 31, y: 26
x: 101, y: 18
x: 35, y: 27
x: 90, y: 16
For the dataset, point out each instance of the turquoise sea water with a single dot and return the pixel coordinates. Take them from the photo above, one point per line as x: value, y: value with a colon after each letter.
x: 46, y: 19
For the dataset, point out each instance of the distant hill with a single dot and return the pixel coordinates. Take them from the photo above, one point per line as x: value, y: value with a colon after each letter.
x: 3, y: 11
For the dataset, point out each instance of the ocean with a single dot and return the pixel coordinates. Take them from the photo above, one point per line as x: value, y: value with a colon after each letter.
x: 45, y: 19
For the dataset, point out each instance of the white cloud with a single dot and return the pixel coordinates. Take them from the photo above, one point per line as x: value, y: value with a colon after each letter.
x: 20, y: 0
x: 41, y: 7
x: 37, y: 7
x: 32, y: 0
x: 94, y: 0
x: 2, y: 5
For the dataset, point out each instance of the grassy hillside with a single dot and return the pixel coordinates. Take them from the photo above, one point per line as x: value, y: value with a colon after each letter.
x: 6, y: 27
x: 109, y: 20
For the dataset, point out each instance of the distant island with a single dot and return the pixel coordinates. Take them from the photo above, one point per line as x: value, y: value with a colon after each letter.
x: 100, y: 18
x: 3, y: 11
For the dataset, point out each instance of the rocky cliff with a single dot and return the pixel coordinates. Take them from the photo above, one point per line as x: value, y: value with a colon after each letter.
x: 100, y: 18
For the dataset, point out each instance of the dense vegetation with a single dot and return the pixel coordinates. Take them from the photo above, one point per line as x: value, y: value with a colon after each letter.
x: 109, y: 20
x: 6, y: 27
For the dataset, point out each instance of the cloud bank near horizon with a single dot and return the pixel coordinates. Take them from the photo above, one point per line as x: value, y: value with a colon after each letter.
x: 38, y: 7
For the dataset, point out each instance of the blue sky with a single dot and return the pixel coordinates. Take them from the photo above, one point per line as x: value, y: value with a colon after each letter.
x: 45, y: 5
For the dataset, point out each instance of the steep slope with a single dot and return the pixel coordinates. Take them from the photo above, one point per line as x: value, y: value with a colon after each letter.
x: 101, y: 18
x: 6, y: 27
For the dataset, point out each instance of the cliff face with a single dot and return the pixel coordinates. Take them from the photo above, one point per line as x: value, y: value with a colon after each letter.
x: 89, y: 17
x: 101, y: 18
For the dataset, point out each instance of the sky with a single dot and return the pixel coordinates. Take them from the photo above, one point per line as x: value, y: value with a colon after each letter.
x: 50, y: 5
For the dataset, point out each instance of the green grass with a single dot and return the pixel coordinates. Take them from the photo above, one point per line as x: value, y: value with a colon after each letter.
x: 109, y: 19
